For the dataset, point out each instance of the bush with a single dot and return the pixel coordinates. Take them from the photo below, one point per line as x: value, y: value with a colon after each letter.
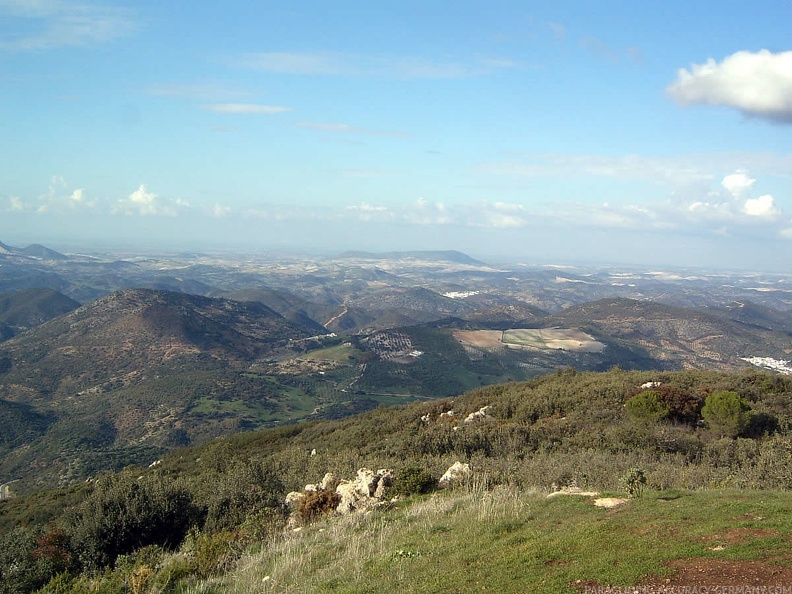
x: 317, y: 503
x: 124, y: 514
x: 634, y: 481
x: 247, y: 488
x: 647, y: 407
x: 412, y: 480
x: 213, y: 553
x: 727, y: 413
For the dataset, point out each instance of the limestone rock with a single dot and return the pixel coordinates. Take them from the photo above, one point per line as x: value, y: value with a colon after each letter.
x: 480, y: 415
x: 454, y: 474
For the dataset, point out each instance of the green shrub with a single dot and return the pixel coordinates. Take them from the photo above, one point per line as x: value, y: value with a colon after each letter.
x: 247, y: 488
x: 647, y: 407
x: 634, y: 481
x: 213, y: 553
x: 123, y: 514
x: 412, y: 480
x: 316, y: 504
x: 726, y: 413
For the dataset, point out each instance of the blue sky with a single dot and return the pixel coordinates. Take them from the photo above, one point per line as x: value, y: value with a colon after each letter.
x: 648, y: 133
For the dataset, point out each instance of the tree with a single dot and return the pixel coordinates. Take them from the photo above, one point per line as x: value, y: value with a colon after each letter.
x: 647, y: 407
x: 727, y: 413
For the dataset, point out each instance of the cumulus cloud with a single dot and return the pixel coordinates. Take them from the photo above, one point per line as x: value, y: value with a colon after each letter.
x: 145, y: 203
x: 758, y: 84
x: 245, y: 108
x: 734, y: 204
x: 738, y: 184
x: 50, y: 24
x: 763, y: 206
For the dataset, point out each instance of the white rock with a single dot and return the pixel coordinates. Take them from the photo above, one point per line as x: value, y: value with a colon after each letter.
x: 479, y: 415
x: 454, y: 473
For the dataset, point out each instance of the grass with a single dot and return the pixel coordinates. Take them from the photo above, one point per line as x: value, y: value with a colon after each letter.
x: 342, y: 354
x: 510, y: 541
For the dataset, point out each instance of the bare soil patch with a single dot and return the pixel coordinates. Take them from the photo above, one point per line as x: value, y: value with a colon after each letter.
x: 718, y: 572
x: 739, y: 535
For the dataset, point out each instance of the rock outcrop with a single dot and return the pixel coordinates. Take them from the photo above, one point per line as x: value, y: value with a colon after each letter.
x: 455, y: 473
x: 367, y: 490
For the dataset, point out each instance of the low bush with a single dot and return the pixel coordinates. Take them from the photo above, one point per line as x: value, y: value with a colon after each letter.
x: 412, y: 480
x: 316, y: 504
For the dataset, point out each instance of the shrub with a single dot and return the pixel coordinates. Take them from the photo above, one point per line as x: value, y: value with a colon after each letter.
x: 727, y: 413
x: 317, y: 503
x: 411, y: 480
x: 124, y: 514
x: 247, y: 488
x: 213, y: 553
x: 634, y: 481
x: 647, y: 407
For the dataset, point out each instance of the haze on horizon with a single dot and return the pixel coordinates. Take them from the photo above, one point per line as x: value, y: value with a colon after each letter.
x: 615, y: 132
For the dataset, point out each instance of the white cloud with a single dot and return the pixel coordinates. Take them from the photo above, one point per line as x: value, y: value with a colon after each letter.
x: 145, y: 203
x: 77, y: 197
x: 347, y: 64
x: 349, y: 129
x: 756, y: 83
x: 15, y: 204
x: 763, y: 206
x: 62, y: 23
x: 219, y: 210
x: 738, y: 184
x: 245, y: 108
x: 368, y: 212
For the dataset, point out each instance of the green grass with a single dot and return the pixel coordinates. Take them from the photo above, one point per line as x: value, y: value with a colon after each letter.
x: 511, y: 541
x: 342, y: 353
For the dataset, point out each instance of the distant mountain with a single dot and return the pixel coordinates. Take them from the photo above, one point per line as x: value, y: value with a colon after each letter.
x: 27, y: 308
x: 34, y: 251
x: 677, y: 337
x: 39, y: 251
x: 290, y: 306
x: 429, y: 255
x: 755, y: 315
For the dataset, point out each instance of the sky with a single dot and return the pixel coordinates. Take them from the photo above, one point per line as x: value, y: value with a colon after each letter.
x: 646, y: 133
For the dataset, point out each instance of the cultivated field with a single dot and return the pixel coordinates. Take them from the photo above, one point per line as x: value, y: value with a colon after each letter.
x: 531, y: 338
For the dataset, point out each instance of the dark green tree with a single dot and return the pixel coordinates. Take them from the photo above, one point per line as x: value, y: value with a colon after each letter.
x: 647, y: 407
x: 727, y: 413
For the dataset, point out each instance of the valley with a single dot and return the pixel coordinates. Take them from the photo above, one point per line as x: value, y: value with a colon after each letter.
x: 165, y: 351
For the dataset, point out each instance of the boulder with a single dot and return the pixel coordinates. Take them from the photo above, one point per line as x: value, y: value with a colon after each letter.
x: 480, y: 415
x: 368, y: 489
x: 454, y: 474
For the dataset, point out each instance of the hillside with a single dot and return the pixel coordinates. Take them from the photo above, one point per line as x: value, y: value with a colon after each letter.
x: 25, y: 309
x: 133, y: 373
x: 565, y: 431
x: 677, y: 337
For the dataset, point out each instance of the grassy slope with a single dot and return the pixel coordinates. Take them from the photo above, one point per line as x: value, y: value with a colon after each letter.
x: 563, y: 428
x: 510, y: 541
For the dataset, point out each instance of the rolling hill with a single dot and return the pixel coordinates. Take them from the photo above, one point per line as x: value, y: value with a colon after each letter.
x: 133, y: 373
x: 27, y: 308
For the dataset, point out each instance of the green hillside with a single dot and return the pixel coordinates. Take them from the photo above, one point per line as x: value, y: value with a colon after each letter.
x: 715, y: 495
